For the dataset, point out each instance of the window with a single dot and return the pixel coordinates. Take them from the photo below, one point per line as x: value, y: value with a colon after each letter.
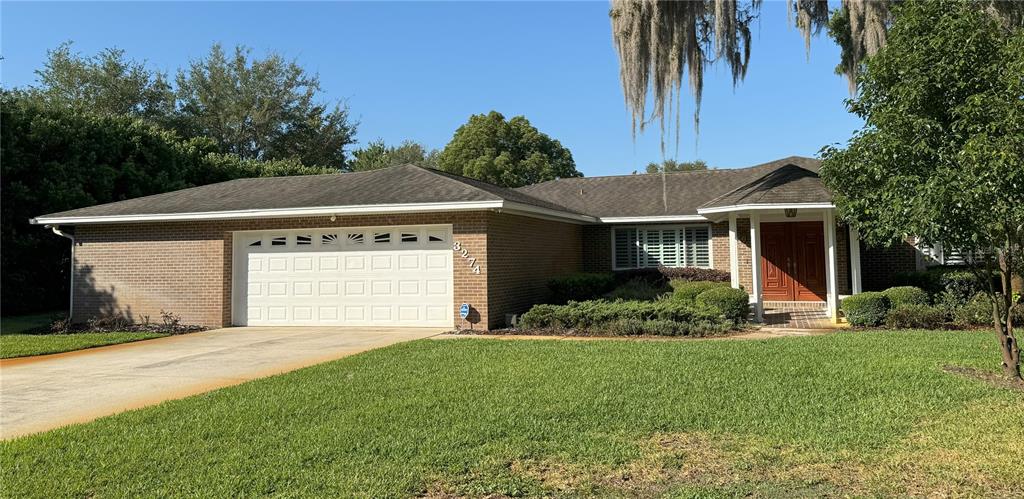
x: 355, y: 237
x: 435, y: 236
x: 279, y: 241
x: 303, y: 240
x: 408, y: 237
x: 329, y: 239
x: 646, y: 247
x: 256, y: 243
x: 381, y: 237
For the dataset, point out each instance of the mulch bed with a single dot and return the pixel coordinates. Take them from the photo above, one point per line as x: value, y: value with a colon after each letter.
x: 994, y: 379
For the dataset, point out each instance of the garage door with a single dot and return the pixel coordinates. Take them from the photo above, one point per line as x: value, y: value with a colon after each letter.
x: 372, y: 276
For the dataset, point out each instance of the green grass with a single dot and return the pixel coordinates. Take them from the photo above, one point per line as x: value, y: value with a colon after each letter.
x: 844, y: 414
x: 21, y: 323
x: 24, y: 345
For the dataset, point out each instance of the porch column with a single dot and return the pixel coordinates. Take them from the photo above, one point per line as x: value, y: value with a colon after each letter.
x: 755, y: 266
x: 734, y: 253
x: 855, y: 260
x: 830, y: 265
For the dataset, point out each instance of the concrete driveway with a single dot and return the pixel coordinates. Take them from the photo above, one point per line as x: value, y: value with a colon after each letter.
x: 38, y: 394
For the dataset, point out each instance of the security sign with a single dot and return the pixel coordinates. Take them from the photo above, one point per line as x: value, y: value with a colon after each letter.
x: 464, y: 310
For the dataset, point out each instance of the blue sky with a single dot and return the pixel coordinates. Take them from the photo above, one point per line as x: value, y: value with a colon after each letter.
x: 418, y: 70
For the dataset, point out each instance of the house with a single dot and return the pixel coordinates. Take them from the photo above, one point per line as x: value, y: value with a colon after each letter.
x: 407, y: 246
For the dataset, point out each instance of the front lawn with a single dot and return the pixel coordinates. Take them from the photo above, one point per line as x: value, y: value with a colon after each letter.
x: 23, y: 345
x: 869, y: 413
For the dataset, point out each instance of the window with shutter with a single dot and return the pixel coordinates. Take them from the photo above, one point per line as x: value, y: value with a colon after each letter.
x: 648, y: 247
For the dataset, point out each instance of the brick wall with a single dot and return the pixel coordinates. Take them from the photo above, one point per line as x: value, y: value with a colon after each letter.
x: 597, y: 248
x: 879, y: 264
x: 524, y: 253
x: 185, y: 267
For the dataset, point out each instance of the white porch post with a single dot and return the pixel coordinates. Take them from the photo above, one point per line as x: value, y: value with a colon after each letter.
x: 830, y: 265
x: 734, y: 253
x: 755, y: 266
x: 855, y: 276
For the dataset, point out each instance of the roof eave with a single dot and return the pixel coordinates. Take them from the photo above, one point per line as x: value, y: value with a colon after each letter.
x: 764, y: 206
x: 316, y: 211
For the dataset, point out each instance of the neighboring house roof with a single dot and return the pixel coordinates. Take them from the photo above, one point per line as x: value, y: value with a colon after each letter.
x: 626, y: 196
x: 401, y: 188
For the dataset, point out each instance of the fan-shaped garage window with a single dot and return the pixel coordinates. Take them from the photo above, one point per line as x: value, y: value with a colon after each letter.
x: 409, y: 237
x: 355, y: 237
x: 303, y: 240
x: 329, y: 239
x: 381, y: 237
x: 256, y: 243
x: 279, y: 240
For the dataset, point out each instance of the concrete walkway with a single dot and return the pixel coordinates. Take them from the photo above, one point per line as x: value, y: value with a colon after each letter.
x: 42, y: 393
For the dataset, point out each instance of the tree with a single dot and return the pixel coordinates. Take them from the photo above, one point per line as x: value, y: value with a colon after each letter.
x: 55, y: 158
x: 104, y: 84
x: 673, y: 166
x: 262, y: 109
x: 378, y: 155
x: 508, y: 153
x: 941, y: 154
x: 658, y: 41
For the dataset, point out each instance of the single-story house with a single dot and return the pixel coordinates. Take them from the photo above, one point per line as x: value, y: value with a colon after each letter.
x: 408, y: 246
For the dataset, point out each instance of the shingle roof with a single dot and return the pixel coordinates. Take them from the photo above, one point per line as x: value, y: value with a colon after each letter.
x: 404, y: 184
x: 786, y: 185
x: 642, y: 195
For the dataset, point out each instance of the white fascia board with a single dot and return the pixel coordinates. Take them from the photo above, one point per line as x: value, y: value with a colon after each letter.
x: 275, y: 213
x: 766, y: 206
x: 525, y: 209
x: 657, y: 219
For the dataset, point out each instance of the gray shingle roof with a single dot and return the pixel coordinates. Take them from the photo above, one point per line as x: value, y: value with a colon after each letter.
x: 786, y: 185
x: 641, y: 195
x: 395, y: 185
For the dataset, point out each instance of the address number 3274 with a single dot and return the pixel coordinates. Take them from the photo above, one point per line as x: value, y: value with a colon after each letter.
x: 464, y: 253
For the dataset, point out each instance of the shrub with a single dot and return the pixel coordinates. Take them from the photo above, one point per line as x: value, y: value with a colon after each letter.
x: 662, y: 275
x: 959, y: 287
x: 620, y: 317
x: 638, y: 289
x: 906, y: 295
x: 915, y: 315
x: 687, y: 291
x: 579, y: 287
x: 976, y: 312
x: 733, y: 303
x: 866, y: 309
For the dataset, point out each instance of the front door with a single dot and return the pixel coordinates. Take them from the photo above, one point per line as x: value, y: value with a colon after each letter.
x: 793, y: 261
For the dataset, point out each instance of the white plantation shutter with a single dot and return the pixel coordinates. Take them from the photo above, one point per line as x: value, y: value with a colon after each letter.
x: 647, y: 247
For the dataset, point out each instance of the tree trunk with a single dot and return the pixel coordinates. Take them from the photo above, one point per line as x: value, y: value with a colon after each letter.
x: 1002, y: 314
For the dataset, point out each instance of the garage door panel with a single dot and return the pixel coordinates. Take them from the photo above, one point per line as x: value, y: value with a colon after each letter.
x: 335, y: 277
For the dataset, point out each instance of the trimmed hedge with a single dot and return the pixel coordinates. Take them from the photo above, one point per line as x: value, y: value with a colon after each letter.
x: 916, y: 316
x: 906, y: 295
x: 662, y: 275
x: 733, y: 303
x: 866, y: 309
x: 618, y: 317
x: 638, y: 289
x: 687, y: 291
x: 580, y: 287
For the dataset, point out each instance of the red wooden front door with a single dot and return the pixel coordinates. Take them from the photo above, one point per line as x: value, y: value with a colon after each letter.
x: 793, y: 261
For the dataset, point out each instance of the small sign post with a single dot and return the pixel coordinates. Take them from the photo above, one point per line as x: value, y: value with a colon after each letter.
x: 464, y: 313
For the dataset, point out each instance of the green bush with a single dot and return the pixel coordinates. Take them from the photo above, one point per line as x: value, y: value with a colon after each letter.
x: 579, y: 287
x: 621, y: 317
x: 915, y: 316
x: 959, y: 287
x: 638, y: 289
x: 733, y: 303
x: 866, y: 309
x: 906, y: 295
x: 687, y: 291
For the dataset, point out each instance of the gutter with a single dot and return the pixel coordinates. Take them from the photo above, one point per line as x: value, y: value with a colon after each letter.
x: 71, y: 293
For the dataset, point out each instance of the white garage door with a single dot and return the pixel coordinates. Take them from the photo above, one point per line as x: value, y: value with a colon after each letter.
x: 372, y: 276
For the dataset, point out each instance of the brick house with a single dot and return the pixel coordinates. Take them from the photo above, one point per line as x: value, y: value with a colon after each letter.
x: 407, y: 246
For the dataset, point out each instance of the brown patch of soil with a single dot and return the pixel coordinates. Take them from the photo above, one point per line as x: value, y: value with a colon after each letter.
x: 995, y: 379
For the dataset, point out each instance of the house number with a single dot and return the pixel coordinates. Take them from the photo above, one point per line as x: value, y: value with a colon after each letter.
x: 464, y: 253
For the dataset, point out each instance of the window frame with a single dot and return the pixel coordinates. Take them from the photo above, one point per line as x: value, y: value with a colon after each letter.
x: 680, y: 241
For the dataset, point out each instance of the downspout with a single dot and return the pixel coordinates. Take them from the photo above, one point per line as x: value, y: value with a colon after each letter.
x: 71, y: 293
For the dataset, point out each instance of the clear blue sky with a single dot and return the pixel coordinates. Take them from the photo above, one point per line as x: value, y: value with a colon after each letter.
x: 418, y: 70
